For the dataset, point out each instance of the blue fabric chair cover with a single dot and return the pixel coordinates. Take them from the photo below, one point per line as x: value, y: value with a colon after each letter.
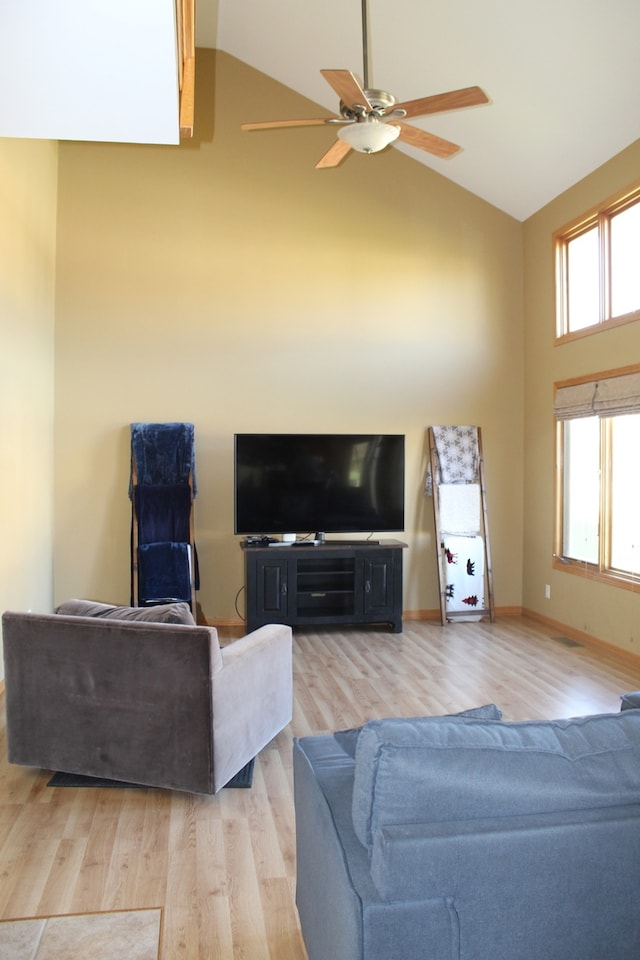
x: 164, y: 572
x: 164, y: 453
x: 162, y: 486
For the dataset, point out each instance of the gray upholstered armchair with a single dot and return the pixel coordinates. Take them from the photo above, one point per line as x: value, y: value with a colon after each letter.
x: 158, y: 704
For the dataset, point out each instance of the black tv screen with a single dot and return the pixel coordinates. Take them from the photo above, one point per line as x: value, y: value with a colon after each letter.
x: 318, y: 483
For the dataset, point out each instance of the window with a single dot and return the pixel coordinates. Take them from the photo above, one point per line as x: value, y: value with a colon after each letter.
x: 597, y: 269
x: 581, y: 489
x: 598, y: 516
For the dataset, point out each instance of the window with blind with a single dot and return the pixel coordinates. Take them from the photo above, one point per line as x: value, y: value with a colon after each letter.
x: 597, y: 530
x: 597, y: 275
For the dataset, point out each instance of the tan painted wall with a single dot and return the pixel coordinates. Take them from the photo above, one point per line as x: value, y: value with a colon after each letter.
x: 229, y: 283
x: 28, y: 173
x: 608, y: 613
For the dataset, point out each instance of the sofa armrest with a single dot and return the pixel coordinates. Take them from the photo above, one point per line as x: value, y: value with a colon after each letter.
x: 341, y: 913
x: 252, y: 698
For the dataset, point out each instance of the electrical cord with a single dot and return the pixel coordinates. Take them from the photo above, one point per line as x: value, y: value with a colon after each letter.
x: 235, y: 603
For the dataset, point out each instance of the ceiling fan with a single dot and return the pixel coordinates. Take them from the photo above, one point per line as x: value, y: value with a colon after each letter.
x: 371, y: 119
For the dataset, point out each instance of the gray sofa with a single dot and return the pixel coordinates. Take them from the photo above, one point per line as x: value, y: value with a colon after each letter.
x: 120, y: 696
x: 467, y: 838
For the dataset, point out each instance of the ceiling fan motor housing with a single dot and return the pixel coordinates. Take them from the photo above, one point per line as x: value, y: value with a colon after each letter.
x: 380, y: 102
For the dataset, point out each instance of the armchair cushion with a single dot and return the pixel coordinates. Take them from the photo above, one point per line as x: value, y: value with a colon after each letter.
x: 159, y: 613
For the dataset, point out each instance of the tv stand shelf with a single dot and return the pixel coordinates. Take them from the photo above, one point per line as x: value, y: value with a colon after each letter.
x: 333, y: 582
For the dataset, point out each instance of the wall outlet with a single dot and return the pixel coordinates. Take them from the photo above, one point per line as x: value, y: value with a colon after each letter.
x: 547, y: 591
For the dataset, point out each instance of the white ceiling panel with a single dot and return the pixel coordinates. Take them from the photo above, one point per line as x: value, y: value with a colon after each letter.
x: 89, y: 70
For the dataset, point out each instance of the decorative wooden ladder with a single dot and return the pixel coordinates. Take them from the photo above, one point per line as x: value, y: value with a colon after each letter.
x: 488, y: 607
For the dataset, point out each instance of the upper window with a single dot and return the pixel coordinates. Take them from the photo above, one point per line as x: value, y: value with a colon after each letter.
x: 598, y: 268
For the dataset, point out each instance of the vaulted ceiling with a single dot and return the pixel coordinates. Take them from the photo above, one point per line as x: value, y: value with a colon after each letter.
x: 563, y: 78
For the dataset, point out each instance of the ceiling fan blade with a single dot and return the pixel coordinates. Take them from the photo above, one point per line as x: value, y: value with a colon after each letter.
x: 347, y: 87
x: 336, y: 152
x: 453, y: 100
x: 426, y: 141
x: 272, y: 124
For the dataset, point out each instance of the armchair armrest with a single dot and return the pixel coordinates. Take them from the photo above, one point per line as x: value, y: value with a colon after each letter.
x: 252, y: 697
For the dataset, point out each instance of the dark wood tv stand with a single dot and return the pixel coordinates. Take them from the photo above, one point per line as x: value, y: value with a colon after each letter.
x: 334, y: 582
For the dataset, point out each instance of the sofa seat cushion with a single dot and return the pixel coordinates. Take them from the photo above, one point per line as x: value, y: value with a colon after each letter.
x: 460, y: 768
x: 159, y: 613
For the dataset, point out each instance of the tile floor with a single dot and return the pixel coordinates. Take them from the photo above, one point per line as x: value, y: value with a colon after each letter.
x: 126, y: 935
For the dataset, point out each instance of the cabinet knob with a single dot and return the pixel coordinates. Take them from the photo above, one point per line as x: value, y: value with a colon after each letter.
x: 367, y: 586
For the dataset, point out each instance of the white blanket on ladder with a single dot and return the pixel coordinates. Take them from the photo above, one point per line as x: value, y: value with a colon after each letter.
x: 464, y: 572
x: 459, y: 507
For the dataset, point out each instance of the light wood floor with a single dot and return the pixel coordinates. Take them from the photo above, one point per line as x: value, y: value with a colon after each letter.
x: 223, y: 868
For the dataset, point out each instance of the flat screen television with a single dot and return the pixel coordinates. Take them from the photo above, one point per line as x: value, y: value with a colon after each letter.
x: 318, y: 483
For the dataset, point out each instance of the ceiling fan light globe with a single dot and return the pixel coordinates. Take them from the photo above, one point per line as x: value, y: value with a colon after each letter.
x: 369, y: 136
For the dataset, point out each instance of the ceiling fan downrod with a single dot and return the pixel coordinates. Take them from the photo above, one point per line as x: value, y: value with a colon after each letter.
x: 381, y: 101
x: 365, y: 46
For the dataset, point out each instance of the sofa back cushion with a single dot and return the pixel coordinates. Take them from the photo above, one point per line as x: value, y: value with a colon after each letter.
x: 159, y: 613
x: 461, y: 768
